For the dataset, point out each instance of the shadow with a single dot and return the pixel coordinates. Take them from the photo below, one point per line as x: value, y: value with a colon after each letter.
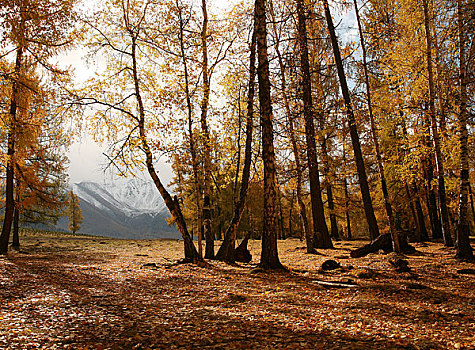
x: 85, y: 304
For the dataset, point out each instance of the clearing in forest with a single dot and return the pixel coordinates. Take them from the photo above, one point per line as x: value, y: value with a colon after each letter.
x: 77, y: 292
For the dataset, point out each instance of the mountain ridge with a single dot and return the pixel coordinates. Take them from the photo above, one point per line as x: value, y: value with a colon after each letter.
x: 132, y: 209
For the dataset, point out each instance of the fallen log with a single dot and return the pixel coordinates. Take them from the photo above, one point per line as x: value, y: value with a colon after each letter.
x: 383, y: 242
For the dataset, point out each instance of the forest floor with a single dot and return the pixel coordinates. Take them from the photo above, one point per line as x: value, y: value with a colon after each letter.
x: 77, y: 292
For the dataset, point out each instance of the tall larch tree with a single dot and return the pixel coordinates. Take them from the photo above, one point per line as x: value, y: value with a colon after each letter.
x: 33, y: 31
x: 464, y: 250
x: 435, y: 132
x: 227, y: 250
x: 321, y: 236
x: 293, y: 136
x: 374, y: 136
x: 355, y: 139
x: 269, y: 252
x: 206, y: 139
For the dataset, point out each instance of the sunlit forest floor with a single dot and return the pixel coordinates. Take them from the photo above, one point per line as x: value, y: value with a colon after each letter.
x: 73, y: 292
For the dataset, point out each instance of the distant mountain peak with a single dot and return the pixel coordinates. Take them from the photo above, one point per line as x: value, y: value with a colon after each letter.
x: 128, y: 209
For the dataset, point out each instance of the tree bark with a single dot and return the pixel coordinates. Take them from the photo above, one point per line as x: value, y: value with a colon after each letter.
x: 355, y: 140
x: 347, y: 210
x: 321, y: 236
x: 269, y: 253
x: 435, y: 134
x: 192, y: 141
x: 16, y: 227
x: 227, y: 250
x: 10, y: 174
x: 419, y: 218
x: 306, y: 231
x: 471, y: 202
x: 382, y: 177
x: 464, y: 250
x: 208, y: 234
x: 191, y: 254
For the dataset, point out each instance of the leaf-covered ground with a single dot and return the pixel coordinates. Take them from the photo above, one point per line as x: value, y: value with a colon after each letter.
x: 65, y: 292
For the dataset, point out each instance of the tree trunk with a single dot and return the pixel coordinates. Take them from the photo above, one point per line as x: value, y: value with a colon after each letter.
x: 291, y: 209
x: 269, y: 253
x: 471, y: 202
x: 10, y: 175
x: 227, y: 250
x: 415, y: 218
x: 347, y: 210
x: 382, y: 177
x: 435, y: 134
x: 421, y: 226
x: 464, y: 250
x: 16, y: 234
x: 208, y: 234
x: 194, y: 160
x: 355, y: 140
x: 321, y: 237
x: 306, y: 231
x: 191, y: 254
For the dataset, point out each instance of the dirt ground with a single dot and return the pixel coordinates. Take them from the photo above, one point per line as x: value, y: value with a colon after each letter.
x: 70, y: 292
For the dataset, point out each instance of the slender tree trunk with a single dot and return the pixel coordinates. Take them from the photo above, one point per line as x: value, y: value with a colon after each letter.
x: 291, y: 209
x: 306, y: 231
x: 442, y: 98
x: 419, y: 218
x: 208, y: 234
x: 431, y: 200
x: 321, y: 236
x: 327, y: 181
x: 238, y: 161
x: 382, y: 177
x: 326, y: 158
x: 10, y: 175
x: 191, y: 254
x: 16, y: 228
x: 464, y: 250
x: 227, y: 250
x: 435, y: 134
x: 194, y: 159
x: 269, y: 253
x: 471, y: 202
x: 347, y: 210
x: 281, y: 215
x: 355, y: 140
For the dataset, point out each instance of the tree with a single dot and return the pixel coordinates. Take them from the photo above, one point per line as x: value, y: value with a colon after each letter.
x: 321, y: 236
x: 269, y: 253
x: 355, y: 140
x: 435, y: 133
x: 382, y: 176
x: 464, y: 250
x: 227, y: 250
x: 34, y: 31
x: 208, y: 234
x: 285, y: 91
x: 74, y: 213
x: 124, y: 34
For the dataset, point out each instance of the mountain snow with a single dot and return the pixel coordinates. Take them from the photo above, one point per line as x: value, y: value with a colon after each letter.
x: 133, y: 197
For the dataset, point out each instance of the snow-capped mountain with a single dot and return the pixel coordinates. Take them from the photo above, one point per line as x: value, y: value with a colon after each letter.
x: 125, y: 209
x: 133, y: 197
